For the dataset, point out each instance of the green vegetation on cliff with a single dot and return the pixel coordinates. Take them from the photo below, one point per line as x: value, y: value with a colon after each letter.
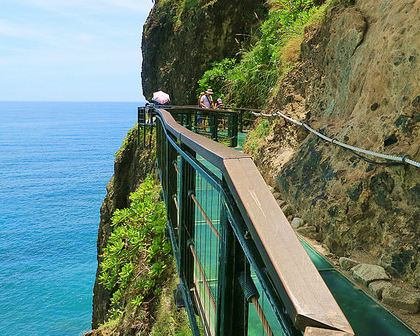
x: 248, y: 83
x: 137, y: 266
x: 251, y: 81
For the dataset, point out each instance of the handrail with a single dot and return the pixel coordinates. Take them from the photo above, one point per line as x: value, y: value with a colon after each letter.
x: 197, y: 108
x: 245, y: 109
x: 398, y: 160
x: 306, y: 297
x: 228, y: 109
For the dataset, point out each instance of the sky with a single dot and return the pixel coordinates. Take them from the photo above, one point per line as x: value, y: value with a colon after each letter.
x: 71, y: 50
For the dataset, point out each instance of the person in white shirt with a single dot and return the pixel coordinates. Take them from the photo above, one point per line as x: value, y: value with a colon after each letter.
x: 206, y: 100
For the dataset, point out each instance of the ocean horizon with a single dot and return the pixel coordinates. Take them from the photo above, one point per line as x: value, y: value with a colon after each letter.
x: 56, y: 160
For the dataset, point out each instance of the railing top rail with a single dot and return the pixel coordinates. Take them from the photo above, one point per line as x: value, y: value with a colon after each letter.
x: 303, y: 291
x: 197, y: 108
x: 243, y: 109
x: 226, y: 109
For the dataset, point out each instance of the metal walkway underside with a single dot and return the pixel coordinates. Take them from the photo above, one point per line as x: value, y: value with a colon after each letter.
x: 242, y: 268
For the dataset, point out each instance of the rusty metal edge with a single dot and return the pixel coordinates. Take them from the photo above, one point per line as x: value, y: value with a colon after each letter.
x: 310, y: 303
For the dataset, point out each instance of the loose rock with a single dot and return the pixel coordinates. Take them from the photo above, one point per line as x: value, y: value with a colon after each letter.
x: 400, y: 298
x: 347, y: 263
x: 377, y: 288
x: 366, y: 273
x: 297, y: 222
x: 287, y: 210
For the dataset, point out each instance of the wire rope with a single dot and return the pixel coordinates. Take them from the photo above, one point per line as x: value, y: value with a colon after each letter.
x: 399, y: 160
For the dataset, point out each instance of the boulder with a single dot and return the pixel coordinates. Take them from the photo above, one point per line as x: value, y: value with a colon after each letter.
x: 377, y: 288
x: 287, y: 210
x: 297, y: 222
x: 401, y: 299
x: 347, y: 263
x: 367, y: 273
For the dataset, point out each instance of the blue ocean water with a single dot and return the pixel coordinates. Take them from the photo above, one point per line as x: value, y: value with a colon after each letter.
x: 56, y: 159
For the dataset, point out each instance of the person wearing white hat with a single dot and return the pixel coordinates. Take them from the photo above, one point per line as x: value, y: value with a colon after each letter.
x: 206, y: 100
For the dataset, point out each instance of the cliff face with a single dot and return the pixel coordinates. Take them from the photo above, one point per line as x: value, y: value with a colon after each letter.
x: 358, y: 83
x: 182, y: 38
x: 132, y: 164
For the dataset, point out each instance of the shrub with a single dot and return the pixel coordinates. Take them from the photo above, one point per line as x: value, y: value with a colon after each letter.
x: 247, y: 83
x: 137, y: 253
x: 217, y: 77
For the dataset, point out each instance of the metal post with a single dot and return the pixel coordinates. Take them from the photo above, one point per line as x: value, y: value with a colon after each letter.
x: 151, y: 114
x: 171, y: 184
x: 214, y: 118
x: 237, y: 223
x: 159, y: 144
x: 233, y: 129
x: 163, y: 144
x: 196, y: 122
x: 141, y: 121
x: 232, y: 307
x: 188, y: 121
x: 187, y: 217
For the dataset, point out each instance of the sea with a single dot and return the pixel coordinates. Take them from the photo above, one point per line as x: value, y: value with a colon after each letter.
x: 56, y: 159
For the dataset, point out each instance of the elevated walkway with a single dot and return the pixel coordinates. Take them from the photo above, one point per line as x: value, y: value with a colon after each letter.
x: 242, y: 268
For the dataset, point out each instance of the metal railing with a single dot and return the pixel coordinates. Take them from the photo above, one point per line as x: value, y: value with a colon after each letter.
x: 233, y: 245
x: 220, y: 125
x: 241, y: 118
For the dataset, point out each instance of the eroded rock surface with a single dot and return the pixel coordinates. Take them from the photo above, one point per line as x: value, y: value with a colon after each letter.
x: 357, y: 83
x: 182, y: 39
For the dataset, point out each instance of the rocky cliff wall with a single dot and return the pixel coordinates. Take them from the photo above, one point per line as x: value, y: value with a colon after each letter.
x: 182, y: 38
x: 357, y: 82
x: 131, y: 166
